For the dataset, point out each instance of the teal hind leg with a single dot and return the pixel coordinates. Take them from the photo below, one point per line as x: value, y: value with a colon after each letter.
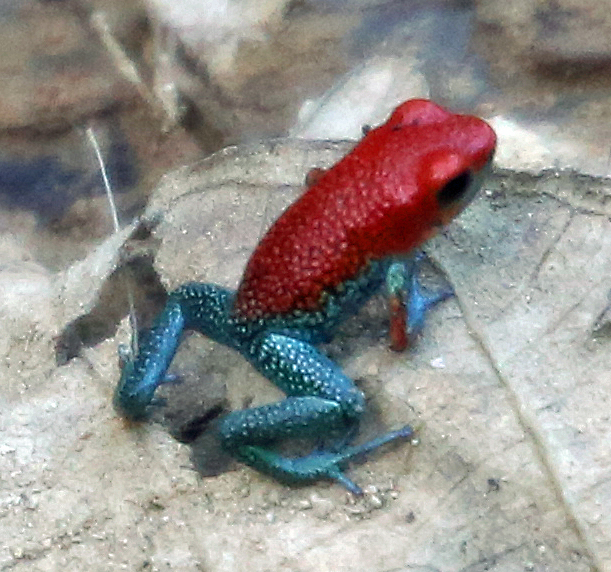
x: 201, y: 307
x: 320, y: 400
x: 319, y: 465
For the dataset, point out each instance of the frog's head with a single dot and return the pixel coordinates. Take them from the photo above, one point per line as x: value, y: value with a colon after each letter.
x: 450, y: 153
x: 437, y: 161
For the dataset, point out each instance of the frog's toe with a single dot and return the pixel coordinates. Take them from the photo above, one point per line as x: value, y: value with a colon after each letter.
x: 347, y: 483
x: 125, y: 354
x: 158, y: 402
x: 171, y: 379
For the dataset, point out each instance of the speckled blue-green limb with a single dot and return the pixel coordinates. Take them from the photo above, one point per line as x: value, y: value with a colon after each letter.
x: 201, y: 307
x: 320, y: 465
x: 320, y: 398
x: 403, y: 282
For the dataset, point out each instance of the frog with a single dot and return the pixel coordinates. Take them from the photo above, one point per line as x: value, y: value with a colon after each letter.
x: 356, y: 230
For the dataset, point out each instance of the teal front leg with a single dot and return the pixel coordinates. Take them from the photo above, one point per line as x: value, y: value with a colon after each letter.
x: 409, y: 301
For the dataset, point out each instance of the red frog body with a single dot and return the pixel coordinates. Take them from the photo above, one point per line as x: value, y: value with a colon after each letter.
x: 352, y: 231
x: 378, y: 201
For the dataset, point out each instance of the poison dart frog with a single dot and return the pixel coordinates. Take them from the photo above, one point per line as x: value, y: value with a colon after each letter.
x: 352, y: 232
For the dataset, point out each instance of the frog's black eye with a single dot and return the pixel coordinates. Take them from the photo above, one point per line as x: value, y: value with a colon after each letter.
x: 454, y: 190
x: 365, y: 129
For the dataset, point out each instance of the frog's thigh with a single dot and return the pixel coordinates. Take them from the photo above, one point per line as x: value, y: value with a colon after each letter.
x: 320, y: 396
x: 300, y: 369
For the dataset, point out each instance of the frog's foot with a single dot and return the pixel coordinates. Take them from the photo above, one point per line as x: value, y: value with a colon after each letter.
x: 132, y: 400
x: 409, y: 301
x: 319, y: 465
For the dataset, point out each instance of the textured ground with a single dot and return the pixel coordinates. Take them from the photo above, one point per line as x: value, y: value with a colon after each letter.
x: 508, y: 386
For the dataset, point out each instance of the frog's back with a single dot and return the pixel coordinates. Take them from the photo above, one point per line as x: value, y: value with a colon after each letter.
x: 379, y: 200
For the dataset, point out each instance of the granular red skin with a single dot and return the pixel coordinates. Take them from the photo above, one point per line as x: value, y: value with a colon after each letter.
x: 379, y: 200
